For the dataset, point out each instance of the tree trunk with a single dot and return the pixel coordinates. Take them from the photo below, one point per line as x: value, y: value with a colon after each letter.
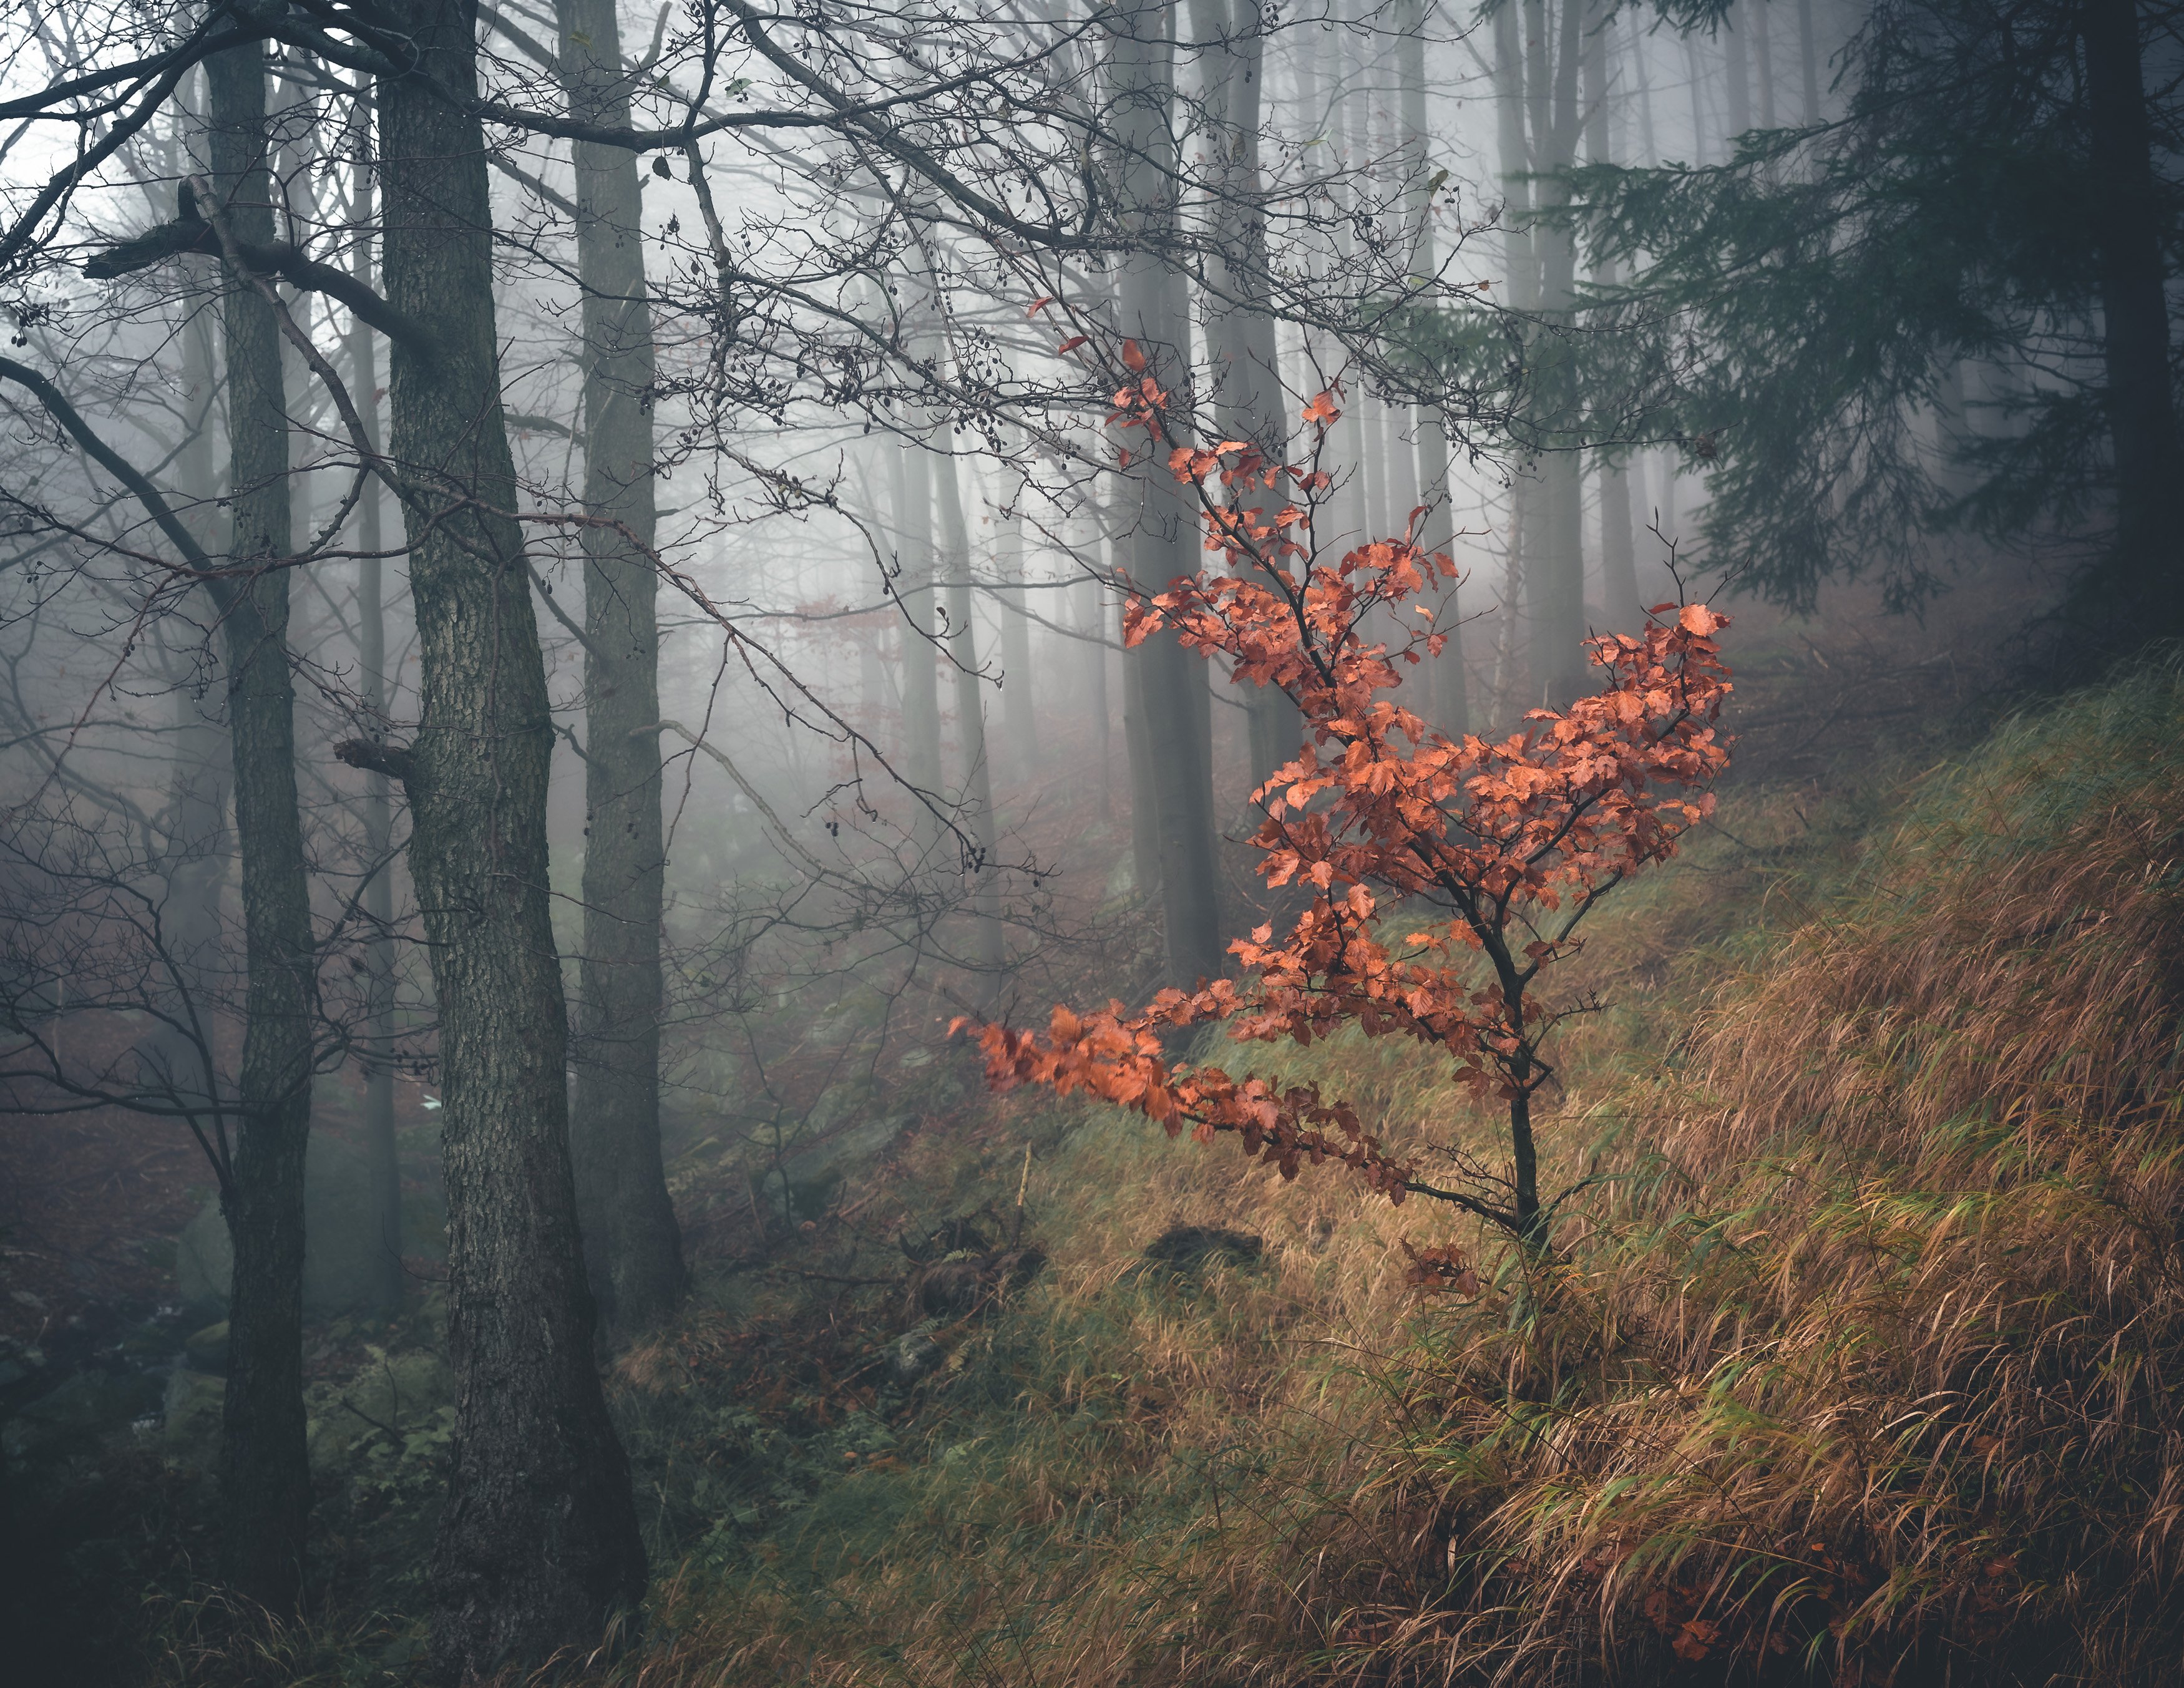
x: 538, y: 1545
x: 1808, y: 60
x: 1019, y: 698
x: 1762, y: 19
x: 1449, y: 689
x: 382, y: 1165
x: 921, y: 687
x: 1736, y: 53
x: 633, y: 1249
x: 1248, y: 401
x: 2135, y: 341
x: 1555, y: 581
x: 975, y: 796
x: 265, y: 1477
x: 1618, y: 557
x: 1177, y: 725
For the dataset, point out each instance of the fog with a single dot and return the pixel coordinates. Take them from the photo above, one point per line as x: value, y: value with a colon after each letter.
x: 566, y: 573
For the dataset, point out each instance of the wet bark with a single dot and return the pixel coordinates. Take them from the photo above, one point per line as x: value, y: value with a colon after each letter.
x: 265, y: 1479
x: 538, y: 1546
x: 633, y: 1247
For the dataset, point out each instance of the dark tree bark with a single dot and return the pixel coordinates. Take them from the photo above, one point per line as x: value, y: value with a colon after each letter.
x: 266, y: 1478
x: 377, y: 813
x: 632, y: 1243
x: 538, y: 1546
x: 2134, y: 311
x: 1177, y: 726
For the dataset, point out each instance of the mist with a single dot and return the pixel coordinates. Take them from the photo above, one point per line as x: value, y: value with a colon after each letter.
x: 675, y: 684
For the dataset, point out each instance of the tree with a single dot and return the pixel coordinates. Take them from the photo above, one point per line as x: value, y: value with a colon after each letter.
x: 264, y: 1473
x: 1999, y: 194
x: 630, y: 1241
x: 1176, y: 712
x: 538, y: 1543
x: 1514, y: 844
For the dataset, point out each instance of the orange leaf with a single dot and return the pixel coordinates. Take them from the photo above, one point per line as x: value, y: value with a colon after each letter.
x: 1134, y: 356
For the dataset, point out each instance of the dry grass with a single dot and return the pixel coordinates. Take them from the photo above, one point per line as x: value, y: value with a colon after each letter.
x: 1862, y: 1369
x: 1863, y: 1373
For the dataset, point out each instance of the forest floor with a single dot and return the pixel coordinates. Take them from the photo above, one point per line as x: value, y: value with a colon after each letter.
x: 1026, y: 1394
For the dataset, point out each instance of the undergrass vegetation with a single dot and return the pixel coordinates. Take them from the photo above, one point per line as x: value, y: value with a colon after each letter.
x: 1856, y: 1360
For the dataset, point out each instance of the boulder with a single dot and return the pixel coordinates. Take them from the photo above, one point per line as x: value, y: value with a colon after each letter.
x: 1187, y: 1248
x: 340, y: 1246
x: 82, y: 1412
x: 193, y: 1406
x: 206, y: 1350
x: 913, y: 1357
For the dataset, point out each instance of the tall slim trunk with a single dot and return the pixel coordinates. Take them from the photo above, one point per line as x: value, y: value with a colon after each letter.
x: 1695, y: 83
x: 1736, y: 57
x: 633, y: 1249
x: 1808, y: 60
x: 1514, y: 34
x: 1451, y: 700
x: 1555, y: 579
x: 975, y: 796
x: 538, y: 1544
x: 265, y: 1477
x: 1165, y: 531
x: 1761, y: 17
x: 921, y: 688
x: 1618, y: 559
x: 2135, y: 313
x: 1019, y: 697
x: 1244, y: 357
x: 382, y: 1167
x: 198, y: 843
x: 1091, y: 617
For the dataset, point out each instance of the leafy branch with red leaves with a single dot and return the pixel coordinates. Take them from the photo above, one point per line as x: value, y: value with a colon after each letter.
x: 1509, y: 844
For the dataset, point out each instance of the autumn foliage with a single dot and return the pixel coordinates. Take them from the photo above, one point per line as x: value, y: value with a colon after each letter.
x: 1508, y: 844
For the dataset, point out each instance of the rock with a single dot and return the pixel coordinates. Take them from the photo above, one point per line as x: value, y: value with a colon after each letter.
x: 913, y: 1357
x: 340, y: 1246
x: 959, y: 1285
x: 80, y: 1412
x: 192, y: 1413
x: 810, y: 1176
x: 206, y: 1350
x: 1187, y: 1248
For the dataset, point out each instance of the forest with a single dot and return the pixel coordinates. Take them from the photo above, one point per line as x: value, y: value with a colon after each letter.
x: 680, y: 685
